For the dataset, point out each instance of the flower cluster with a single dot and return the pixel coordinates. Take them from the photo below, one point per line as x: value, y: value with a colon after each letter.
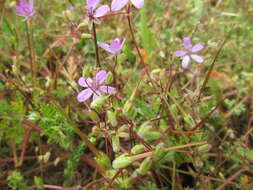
x: 95, y: 87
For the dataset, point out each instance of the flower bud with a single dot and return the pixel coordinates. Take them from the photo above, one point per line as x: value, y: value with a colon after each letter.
x: 109, y: 78
x: 158, y: 154
x: 115, y: 143
x: 145, y: 131
x: 123, y: 135
x: 98, y: 102
x: 145, y: 166
x: 188, y: 119
x: 86, y: 71
x: 83, y: 24
x: 137, y: 149
x: 121, y: 162
x: 93, y: 115
x: 110, y: 173
x: 112, y: 118
x: 123, y: 128
x: 86, y: 36
x: 103, y: 161
x: 204, y: 148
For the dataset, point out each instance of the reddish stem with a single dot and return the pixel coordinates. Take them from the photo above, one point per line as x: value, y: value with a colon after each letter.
x: 24, y: 145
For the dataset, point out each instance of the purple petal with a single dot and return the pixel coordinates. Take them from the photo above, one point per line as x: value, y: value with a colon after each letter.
x: 85, y: 82
x: 197, y: 47
x: 122, y: 43
x: 107, y: 89
x: 105, y: 46
x: 23, y: 3
x: 19, y: 10
x: 185, y: 61
x: 197, y: 58
x: 84, y: 95
x: 101, y: 11
x: 115, y: 46
x: 138, y: 3
x: 96, y: 95
x: 31, y: 5
x: 93, y: 3
x: 101, y: 76
x: 180, y: 53
x: 118, y: 4
x: 187, y: 42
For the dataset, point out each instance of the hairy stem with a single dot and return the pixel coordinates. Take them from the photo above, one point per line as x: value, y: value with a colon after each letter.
x: 30, y: 49
x: 96, y: 44
x: 133, y: 36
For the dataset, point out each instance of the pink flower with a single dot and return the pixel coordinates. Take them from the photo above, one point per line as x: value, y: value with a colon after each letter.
x: 119, y: 4
x: 115, y: 46
x: 25, y: 9
x: 94, y: 87
x: 99, y: 12
x: 189, y: 52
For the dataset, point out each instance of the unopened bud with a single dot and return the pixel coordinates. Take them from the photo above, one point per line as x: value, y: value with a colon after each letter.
x: 115, y: 143
x: 86, y: 71
x: 86, y: 36
x: 158, y: 154
x: 145, y: 166
x: 94, y: 116
x: 123, y: 135
x: 145, y: 131
x: 121, y: 162
x: 112, y: 118
x: 98, y: 102
x: 83, y: 24
x: 109, y: 78
x: 103, y: 161
x: 204, y: 148
x: 137, y: 149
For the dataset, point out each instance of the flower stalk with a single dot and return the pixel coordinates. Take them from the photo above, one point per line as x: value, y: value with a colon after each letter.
x: 31, y: 53
x: 96, y: 44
